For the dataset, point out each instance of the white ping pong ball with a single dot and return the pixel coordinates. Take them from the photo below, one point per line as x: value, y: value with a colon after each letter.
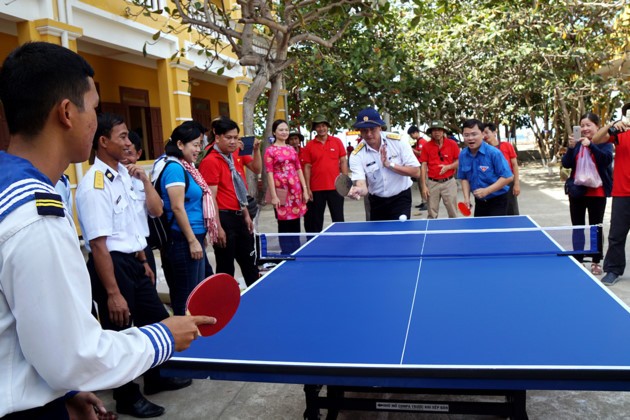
x: 402, y: 217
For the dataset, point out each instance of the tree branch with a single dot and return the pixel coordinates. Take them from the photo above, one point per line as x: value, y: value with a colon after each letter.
x: 319, y: 40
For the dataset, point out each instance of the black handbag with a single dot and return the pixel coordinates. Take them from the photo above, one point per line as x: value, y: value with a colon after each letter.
x: 573, y: 190
x: 252, y: 206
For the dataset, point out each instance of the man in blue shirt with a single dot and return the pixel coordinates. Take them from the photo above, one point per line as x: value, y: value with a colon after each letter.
x: 484, y: 172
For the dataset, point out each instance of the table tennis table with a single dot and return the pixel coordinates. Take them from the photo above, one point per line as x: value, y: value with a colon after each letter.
x: 420, y: 314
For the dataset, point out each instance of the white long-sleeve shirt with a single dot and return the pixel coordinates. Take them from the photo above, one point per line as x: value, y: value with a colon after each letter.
x: 49, y: 341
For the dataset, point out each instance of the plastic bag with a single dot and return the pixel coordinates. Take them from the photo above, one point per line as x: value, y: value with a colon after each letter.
x: 585, y: 170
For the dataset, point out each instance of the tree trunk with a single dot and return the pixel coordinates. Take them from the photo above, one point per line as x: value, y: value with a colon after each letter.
x: 274, y: 93
x: 251, y: 97
x: 249, y: 104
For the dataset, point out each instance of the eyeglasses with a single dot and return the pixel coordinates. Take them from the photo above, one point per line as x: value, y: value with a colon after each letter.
x: 472, y: 135
x: 440, y: 156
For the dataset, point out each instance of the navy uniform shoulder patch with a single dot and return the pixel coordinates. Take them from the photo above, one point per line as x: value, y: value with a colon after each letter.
x: 98, y: 180
x: 109, y: 175
x: 49, y: 204
x: 392, y: 136
x: 358, y: 148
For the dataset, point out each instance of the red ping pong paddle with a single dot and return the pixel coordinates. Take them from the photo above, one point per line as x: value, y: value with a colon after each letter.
x: 464, y: 209
x: 218, y: 296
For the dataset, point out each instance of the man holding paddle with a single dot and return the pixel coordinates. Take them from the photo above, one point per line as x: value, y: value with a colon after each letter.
x: 50, y: 343
x: 387, y: 164
x: 484, y: 172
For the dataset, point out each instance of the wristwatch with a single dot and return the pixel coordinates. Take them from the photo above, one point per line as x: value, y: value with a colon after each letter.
x: 392, y: 165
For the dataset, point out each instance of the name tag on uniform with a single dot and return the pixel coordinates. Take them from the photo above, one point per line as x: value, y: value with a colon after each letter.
x: 370, y: 164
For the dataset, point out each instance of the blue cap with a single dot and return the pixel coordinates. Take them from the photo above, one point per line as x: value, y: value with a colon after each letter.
x: 368, y: 118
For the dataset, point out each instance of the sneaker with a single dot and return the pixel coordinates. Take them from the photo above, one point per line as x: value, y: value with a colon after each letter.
x: 610, y: 278
x: 596, y: 269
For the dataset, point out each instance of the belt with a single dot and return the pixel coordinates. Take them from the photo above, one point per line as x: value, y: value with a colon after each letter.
x: 441, y: 179
x: 126, y: 254
x: 236, y: 212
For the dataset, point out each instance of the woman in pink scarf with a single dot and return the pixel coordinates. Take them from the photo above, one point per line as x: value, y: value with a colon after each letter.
x: 191, y: 214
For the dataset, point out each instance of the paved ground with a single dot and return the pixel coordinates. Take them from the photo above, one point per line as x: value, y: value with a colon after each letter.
x: 542, y: 198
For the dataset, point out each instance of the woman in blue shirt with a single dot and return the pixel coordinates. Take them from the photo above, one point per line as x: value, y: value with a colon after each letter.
x: 189, y: 209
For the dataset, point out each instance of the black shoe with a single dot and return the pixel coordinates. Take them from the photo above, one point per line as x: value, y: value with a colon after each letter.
x: 421, y: 206
x: 142, y: 408
x: 166, y: 384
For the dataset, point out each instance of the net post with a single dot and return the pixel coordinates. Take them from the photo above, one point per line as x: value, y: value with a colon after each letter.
x: 263, y: 245
x: 595, y: 230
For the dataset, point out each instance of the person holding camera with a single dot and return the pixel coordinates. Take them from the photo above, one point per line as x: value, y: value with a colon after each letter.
x: 583, y: 198
x: 617, y: 133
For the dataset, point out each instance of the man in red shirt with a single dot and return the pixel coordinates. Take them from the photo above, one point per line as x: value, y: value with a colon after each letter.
x: 414, y: 133
x: 619, y: 134
x: 324, y: 158
x: 440, y: 158
x: 490, y: 136
x: 236, y: 239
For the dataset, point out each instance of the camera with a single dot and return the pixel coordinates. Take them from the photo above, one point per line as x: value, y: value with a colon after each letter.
x: 612, y: 131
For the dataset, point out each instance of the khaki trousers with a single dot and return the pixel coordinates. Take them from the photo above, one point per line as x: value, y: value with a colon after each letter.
x: 445, y: 190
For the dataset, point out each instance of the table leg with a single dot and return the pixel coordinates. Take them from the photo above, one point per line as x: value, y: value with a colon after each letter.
x: 311, y: 393
x: 518, y: 401
x: 335, y: 396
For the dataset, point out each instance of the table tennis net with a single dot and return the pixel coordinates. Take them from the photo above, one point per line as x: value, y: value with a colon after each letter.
x: 566, y: 240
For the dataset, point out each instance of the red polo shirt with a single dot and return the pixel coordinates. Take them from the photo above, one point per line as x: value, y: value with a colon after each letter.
x: 508, y: 152
x: 240, y: 162
x: 419, y: 145
x: 324, y: 159
x: 216, y: 172
x: 434, y: 156
x: 621, y: 173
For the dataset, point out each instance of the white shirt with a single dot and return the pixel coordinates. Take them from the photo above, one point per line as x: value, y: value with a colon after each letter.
x: 49, y: 341
x: 365, y: 164
x: 108, y: 206
x: 63, y: 189
x: 140, y: 204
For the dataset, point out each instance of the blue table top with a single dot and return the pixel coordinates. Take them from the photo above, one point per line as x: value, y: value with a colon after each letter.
x: 541, y: 317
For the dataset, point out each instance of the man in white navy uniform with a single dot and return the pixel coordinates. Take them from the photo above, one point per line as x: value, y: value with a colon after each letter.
x: 387, y: 164
x: 50, y: 344
x: 115, y: 237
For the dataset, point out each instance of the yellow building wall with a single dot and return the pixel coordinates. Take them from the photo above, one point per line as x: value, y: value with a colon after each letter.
x: 212, y: 92
x: 111, y: 74
x: 7, y: 44
x: 116, y: 7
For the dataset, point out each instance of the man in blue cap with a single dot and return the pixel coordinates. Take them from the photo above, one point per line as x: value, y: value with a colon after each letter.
x: 387, y: 164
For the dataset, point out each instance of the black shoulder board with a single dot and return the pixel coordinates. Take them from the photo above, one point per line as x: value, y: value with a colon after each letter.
x: 49, y: 204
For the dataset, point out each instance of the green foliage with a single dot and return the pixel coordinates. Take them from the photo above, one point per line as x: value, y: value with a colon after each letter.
x: 497, y: 60
x: 514, y: 62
